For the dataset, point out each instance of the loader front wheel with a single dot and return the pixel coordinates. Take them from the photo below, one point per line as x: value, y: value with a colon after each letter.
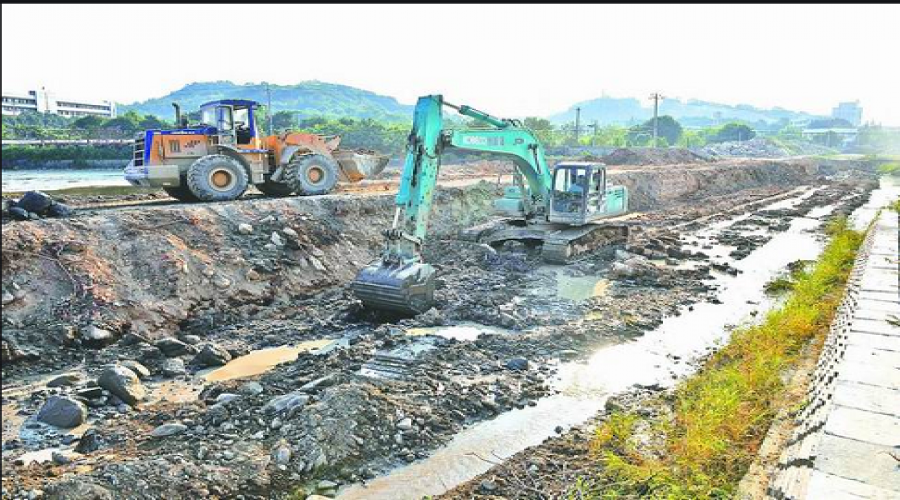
x: 311, y: 174
x: 217, y: 178
x: 181, y: 193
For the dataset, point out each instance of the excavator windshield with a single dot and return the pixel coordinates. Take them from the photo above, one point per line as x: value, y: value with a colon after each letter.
x: 570, y: 187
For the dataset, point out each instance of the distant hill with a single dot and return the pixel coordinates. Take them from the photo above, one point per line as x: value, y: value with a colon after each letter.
x: 311, y: 98
x: 692, y: 112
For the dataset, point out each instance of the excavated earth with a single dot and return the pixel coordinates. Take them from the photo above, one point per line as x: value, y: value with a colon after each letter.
x: 175, y: 291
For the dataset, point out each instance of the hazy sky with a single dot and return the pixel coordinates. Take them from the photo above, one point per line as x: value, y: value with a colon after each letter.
x: 505, y: 59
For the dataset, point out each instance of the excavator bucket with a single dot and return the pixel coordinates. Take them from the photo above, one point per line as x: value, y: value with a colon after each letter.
x: 359, y: 164
x: 403, y: 288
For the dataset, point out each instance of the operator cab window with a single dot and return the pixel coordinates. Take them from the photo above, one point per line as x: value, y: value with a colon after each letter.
x: 208, y: 116
x: 225, y: 122
x: 569, y: 188
x: 242, y: 125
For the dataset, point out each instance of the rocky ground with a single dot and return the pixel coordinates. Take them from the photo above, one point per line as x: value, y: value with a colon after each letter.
x: 110, y: 351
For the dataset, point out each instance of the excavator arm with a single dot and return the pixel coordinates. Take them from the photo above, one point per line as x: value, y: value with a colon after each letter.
x: 400, y: 280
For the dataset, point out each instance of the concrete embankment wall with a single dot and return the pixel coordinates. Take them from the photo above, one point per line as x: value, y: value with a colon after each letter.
x: 146, y: 269
x: 849, y: 428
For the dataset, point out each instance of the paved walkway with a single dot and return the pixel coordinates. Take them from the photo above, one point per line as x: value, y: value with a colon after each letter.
x: 847, y: 441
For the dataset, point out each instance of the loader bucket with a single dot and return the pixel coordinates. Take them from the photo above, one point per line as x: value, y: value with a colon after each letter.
x: 403, y: 288
x: 360, y: 164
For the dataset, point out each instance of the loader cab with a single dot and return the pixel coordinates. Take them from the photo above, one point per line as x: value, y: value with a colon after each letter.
x: 234, y: 120
x: 578, y: 194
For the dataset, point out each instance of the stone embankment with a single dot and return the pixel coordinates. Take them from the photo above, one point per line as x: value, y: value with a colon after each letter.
x: 846, y: 440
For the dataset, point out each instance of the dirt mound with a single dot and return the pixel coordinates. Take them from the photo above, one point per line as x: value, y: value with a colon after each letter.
x: 653, y: 156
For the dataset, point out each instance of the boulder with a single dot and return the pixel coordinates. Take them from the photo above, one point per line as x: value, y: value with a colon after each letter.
x: 90, y: 442
x: 94, y: 336
x: 18, y: 213
x: 60, y: 210
x: 173, y: 367
x: 167, y: 430
x: 63, y: 412
x: 287, y: 403
x: 36, y: 201
x: 140, y: 370
x: 173, y: 347
x: 122, y: 383
x: 66, y: 379
x: 212, y: 355
x: 517, y: 364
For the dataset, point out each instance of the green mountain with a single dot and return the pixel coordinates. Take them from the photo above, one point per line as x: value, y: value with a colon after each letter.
x: 311, y: 98
x: 691, y: 112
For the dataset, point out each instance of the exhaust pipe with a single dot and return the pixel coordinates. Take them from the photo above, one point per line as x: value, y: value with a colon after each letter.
x: 177, y: 114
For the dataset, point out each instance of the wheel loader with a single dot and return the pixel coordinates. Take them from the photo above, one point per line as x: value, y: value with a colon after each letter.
x: 565, y: 207
x: 218, y: 158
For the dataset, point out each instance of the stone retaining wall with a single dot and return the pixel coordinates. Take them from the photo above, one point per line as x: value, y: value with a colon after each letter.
x: 847, y: 435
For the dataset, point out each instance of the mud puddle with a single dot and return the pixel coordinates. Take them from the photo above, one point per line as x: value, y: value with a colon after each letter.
x: 580, y: 288
x: 262, y: 361
x: 463, y: 331
x: 658, y: 358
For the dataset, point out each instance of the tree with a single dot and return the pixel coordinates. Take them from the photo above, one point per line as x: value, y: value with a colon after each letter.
x: 668, y: 128
x: 283, y: 120
x: 535, y: 123
x: 733, y: 131
x: 90, y: 122
x: 151, y: 122
x: 128, y: 123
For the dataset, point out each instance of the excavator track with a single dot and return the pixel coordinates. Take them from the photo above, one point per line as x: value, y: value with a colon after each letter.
x: 568, y: 244
x: 560, y: 243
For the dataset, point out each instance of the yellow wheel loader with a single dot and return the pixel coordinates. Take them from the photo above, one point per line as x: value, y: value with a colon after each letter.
x: 220, y: 157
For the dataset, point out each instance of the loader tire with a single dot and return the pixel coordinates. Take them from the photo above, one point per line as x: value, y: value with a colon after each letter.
x: 275, y: 189
x: 181, y: 193
x: 311, y: 174
x: 217, y: 178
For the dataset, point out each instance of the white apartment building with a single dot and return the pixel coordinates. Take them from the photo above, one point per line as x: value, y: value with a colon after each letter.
x: 48, y: 102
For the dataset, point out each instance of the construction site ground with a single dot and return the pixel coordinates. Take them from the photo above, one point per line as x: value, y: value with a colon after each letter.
x: 263, y: 377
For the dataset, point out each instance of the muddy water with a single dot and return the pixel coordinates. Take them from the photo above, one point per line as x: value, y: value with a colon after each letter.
x: 262, y: 361
x: 661, y: 357
x: 463, y: 331
x: 580, y: 288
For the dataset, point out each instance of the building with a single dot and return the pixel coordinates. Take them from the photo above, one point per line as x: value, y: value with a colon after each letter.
x: 42, y: 101
x: 850, y: 111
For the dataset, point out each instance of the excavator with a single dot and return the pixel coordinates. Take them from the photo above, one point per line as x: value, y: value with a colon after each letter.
x: 559, y: 207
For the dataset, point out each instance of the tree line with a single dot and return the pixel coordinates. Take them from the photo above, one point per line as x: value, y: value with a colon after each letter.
x: 390, y: 137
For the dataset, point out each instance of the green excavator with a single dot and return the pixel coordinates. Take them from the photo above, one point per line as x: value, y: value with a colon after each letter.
x: 559, y: 207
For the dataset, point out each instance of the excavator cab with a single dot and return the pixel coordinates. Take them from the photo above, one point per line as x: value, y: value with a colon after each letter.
x: 578, y: 195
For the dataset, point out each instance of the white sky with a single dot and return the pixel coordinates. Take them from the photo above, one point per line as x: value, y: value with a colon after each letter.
x: 505, y: 59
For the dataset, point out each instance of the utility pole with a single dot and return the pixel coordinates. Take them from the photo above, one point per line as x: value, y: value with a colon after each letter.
x: 577, y: 124
x: 656, y: 98
x: 271, y: 114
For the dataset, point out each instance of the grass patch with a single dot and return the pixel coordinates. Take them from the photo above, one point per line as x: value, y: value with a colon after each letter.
x: 890, y: 168
x: 722, y: 413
